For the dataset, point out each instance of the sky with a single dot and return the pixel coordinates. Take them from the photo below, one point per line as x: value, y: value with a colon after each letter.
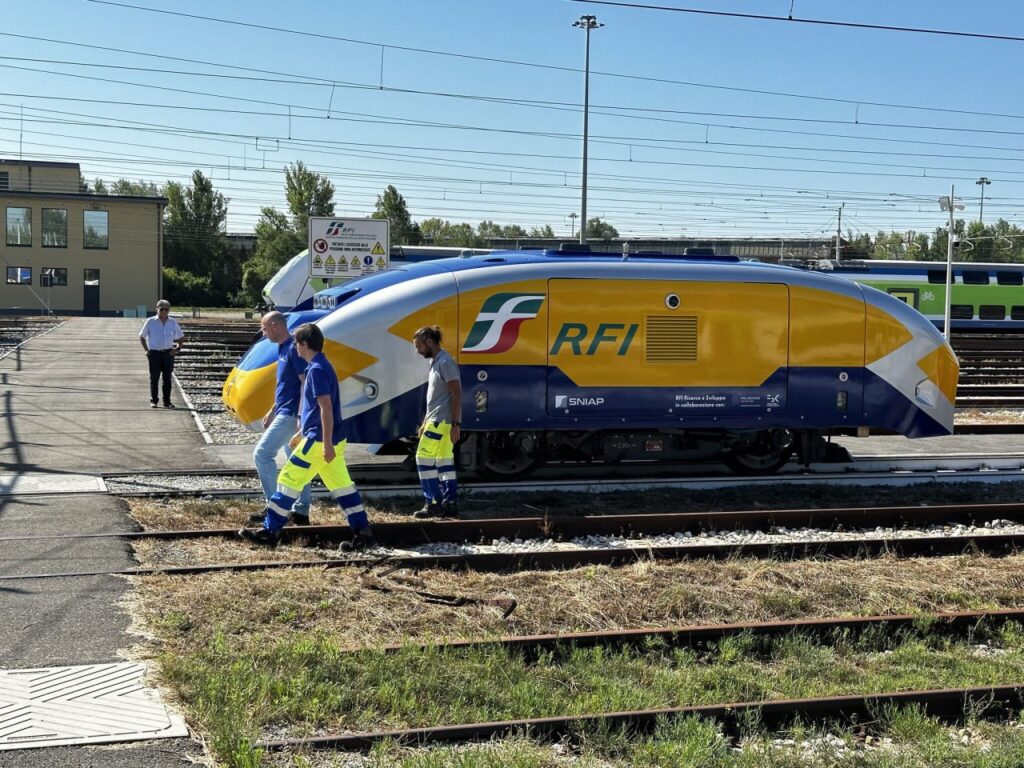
x: 699, y: 125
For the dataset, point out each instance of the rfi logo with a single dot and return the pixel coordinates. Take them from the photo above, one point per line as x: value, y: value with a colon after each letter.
x: 337, y: 228
x: 496, y: 327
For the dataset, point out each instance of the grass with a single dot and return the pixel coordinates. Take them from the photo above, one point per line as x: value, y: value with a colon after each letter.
x: 309, y: 685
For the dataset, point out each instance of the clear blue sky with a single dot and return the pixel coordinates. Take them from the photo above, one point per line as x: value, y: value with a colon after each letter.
x: 667, y: 158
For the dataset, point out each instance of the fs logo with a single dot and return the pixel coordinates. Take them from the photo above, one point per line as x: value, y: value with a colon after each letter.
x: 496, y: 328
x: 337, y: 229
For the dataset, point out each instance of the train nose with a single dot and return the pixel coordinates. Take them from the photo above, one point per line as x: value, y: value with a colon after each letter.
x: 249, y: 393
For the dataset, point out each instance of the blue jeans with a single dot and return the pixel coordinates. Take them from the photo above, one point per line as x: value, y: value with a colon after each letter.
x: 274, y: 439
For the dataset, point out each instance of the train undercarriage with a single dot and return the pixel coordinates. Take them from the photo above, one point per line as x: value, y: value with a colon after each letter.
x: 510, y: 454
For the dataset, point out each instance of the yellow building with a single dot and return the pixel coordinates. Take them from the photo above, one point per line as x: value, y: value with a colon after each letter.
x: 73, y: 253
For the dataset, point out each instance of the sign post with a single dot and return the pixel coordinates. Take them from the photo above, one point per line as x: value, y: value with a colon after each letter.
x: 341, y: 248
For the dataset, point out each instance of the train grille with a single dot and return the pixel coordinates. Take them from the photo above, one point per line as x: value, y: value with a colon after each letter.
x: 671, y: 340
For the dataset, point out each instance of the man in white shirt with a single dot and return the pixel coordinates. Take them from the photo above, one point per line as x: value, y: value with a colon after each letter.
x: 161, y: 338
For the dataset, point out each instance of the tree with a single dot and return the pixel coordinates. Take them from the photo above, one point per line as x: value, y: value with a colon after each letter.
x: 600, y: 230
x: 138, y: 188
x: 276, y: 243
x: 545, y: 231
x: 194, y: 241
x: 488, y: 230
x: 391, y: 206
x: 444, y: 233
x: 99, y: 187
x: 308, y: 194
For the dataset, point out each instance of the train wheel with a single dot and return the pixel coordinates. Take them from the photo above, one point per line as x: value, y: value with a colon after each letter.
x: 760, y: 453
x: 507, y: 455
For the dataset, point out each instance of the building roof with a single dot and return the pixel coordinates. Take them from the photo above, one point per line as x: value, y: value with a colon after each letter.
x: 84, y: 196
x: 38, y: 163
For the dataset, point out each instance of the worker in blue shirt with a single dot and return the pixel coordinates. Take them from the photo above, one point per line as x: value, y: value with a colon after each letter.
x: 319, y: 449
x: 282, y: 419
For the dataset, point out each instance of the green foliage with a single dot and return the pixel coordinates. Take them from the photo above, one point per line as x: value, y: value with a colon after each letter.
x: 488, y: 230
x: 183, y: 288
x: 442, y: 232
x: 277, y: 241
x: 391, y: 206
x: 545, y: 231
x: 194, y: 240
x: 308, y: 194
x: 600, y: 230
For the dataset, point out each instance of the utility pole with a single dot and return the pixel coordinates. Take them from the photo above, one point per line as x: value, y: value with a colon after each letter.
x: 572, y: 217
x: 839, y: 230
x: 586, y: 23
x: 982, y: 182
x: 949, y: 204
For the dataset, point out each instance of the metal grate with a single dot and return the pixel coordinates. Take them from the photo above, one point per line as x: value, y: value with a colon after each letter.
x: 671, y: 340
x: 95, y: 704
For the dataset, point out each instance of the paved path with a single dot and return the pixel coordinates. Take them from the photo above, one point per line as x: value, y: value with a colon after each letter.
x: 76, y: 400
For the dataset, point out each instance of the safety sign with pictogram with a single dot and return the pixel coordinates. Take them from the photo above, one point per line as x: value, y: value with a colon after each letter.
x: 344, y: 248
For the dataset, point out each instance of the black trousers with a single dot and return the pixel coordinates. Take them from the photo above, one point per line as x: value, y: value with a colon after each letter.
x: 160, y: 361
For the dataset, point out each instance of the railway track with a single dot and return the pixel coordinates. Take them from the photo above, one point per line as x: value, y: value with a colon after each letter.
x: 391, y: 479
x: 550, y: 542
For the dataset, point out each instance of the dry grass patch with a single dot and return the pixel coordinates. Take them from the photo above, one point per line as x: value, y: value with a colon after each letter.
x: 186, y: 613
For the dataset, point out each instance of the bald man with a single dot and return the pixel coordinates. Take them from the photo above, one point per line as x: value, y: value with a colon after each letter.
x: 282, y: 419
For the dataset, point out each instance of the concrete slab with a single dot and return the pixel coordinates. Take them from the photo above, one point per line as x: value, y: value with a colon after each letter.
x: 77, y: 400
x: 892, y: 445
x: 26, y: 485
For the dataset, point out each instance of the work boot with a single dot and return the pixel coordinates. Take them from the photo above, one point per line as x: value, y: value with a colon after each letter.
x: 430, y: 509
x: 361, y: 540
x: 260, y: 536
x: 449, y: 509
x: 298, y: 519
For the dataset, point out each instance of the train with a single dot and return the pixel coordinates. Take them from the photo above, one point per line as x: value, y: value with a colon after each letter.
x: 987, y: 297
x: 569, y: 356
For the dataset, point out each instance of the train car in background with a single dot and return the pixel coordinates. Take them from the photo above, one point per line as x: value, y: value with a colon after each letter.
x: 985, y: 296
x: 569, y: 356
x: 292, y: 288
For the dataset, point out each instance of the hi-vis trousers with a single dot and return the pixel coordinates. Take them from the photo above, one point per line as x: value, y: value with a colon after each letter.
x: 305, y: 463
x: 435, y: 463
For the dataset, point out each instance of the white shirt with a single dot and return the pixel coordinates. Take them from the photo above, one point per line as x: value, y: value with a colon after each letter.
x: 161, y: 336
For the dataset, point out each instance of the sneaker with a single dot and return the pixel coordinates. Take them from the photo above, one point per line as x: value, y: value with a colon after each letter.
x: 360, y: 542
x: 430, y: 509
x: 168, y: 405
x: 154, y: 404
x: 298, y: 519
x: 260, y: 536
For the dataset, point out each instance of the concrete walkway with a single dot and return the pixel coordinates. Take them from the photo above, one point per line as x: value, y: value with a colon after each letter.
x: 76, y: 400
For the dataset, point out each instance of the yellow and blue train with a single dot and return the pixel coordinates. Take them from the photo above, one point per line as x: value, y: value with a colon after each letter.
x: 583, y: 357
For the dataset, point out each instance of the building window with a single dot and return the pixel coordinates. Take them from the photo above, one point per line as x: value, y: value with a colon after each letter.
x: 19, y: 226
x: 96, y: 232
x: 55, y: 228
x: 5, y: 180
x: 53, y: 276
x: 19, y: 275
x: 91, y: 277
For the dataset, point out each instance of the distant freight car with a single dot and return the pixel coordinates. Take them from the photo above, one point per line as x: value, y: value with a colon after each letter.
x: 581, y: 357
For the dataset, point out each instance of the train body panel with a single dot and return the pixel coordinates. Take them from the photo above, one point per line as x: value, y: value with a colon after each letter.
x: 551, y: 342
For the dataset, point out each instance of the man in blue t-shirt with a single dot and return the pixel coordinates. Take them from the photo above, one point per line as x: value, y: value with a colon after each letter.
x: 319, y: 449
x: 282, y: 418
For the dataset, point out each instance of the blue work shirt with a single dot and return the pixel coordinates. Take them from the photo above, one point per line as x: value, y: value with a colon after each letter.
x: 320, y: 380
x: 289, y: 387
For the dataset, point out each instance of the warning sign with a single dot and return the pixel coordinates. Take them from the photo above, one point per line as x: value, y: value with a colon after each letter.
x: 341, y: 247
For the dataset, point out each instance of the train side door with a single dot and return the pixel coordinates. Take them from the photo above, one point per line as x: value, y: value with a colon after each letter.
x: 686, y: 351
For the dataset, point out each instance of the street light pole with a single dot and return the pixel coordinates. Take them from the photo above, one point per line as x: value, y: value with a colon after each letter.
x: 586, y: 23
x: 949, y: 204
x: 982, y: 182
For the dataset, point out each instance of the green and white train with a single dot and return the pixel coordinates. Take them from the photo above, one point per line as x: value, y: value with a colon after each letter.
x: 985, y: 296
